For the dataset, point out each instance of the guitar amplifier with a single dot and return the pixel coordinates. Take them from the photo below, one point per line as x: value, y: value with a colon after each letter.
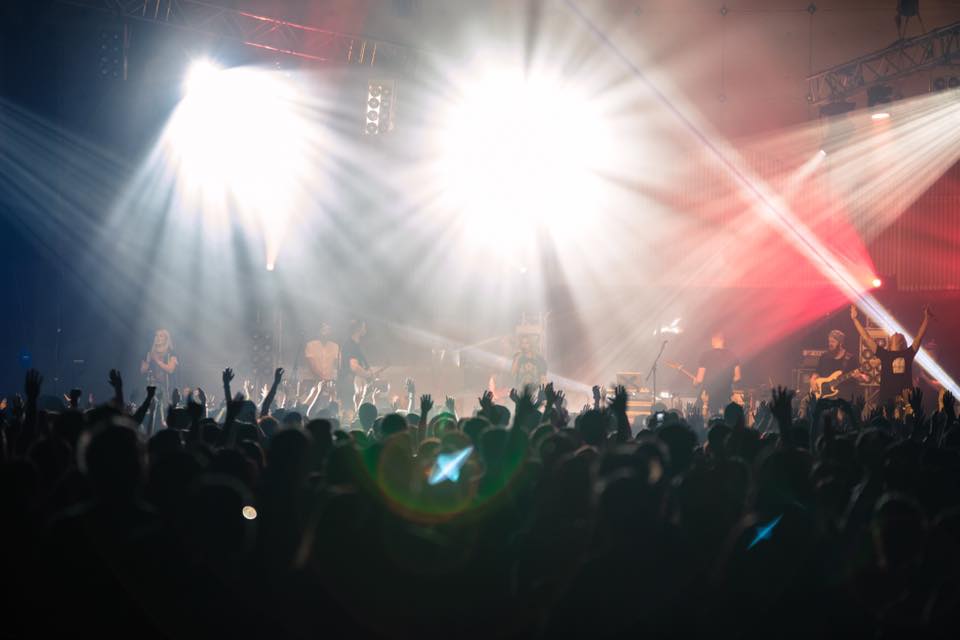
x: 869, y: 363
x: 640, y: 407
x: 801, y: 380
x: 810, y: 358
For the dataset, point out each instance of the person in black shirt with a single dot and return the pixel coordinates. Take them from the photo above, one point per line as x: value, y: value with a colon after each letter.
x: 896, y: 359
x: 354, y: 370
x: 159, y: 366
x: 718, y: 371
x: 837, y: 358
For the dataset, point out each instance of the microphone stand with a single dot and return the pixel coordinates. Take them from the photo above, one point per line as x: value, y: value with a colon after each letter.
x: 653, y: 371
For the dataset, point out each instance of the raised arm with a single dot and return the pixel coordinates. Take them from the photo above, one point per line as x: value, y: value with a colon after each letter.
x: 227, y: 379
x: 265, y: 408
x: 922, y: 331
x: 145, y: 405
x: 867, y: 340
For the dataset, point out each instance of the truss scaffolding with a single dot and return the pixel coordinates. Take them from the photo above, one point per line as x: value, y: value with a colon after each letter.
x: 902, y: 58
x: 272, y: 34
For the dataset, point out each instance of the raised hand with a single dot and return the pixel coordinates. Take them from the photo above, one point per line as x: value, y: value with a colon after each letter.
x: 227, y: 376
x: 559, y: 399
x: 116, y: 381
x: 486, y: 400
x: 915, y: 398
x: 927, y: 313
x: 264, y: 391
x: 949, y: 405
x: 596, y: 394
x: 277, y: 376
x: 450, y: 404
x: 426, y: 404
x: 410, y: 386
x: 853, y: 312
x: 549, y: 394
x: 514, y: 396
x: 781, y: 406
x: 618, y: 403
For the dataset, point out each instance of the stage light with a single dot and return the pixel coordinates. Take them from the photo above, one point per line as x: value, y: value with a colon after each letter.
x: 379, y: 107
x: 249, y: 512
x: 876, y: 282
x: 202, y: 75
x: 270, y: 266
x: 521, y: 151
x: 882, y: 115
x: 237, y: 142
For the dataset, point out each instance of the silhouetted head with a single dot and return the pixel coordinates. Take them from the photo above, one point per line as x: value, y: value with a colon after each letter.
x: 393, y: 423
x: 113, y: 459
x: 367, y: 414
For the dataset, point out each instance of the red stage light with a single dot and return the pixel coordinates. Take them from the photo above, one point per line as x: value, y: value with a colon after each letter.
x: 876, y: 282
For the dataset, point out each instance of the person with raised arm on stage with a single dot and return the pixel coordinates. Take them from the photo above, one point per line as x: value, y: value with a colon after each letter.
x: 896, y: 359
x: 837, y: 360
x: 717, y: 372
x: 323, y: 359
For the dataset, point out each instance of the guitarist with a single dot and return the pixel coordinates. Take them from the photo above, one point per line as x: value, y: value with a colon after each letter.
x: 837, y: 358
x: 355, y: 371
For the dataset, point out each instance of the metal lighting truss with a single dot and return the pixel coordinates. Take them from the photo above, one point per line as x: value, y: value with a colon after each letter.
x: 902, y: 58
x: 272, y: 34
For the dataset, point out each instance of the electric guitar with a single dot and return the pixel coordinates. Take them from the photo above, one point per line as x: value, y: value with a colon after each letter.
x: 364, y: 391
x: 829, y: 387
x: 679, y: 367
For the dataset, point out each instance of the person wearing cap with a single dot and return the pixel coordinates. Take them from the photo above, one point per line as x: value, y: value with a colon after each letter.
x: 837, y: 358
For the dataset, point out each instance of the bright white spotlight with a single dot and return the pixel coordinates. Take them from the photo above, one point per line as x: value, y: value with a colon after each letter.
x: 876, y: 282
x: 519, y: 151
x: 202, y: 75
x: 882, y: 115
x: 238, y: 142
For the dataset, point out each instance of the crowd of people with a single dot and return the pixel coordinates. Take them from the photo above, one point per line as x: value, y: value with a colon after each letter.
x: 520, y: 519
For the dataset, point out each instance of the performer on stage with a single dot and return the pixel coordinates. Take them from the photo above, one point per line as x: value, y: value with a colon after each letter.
x: 718, y: 371
x: 160, y: 363
x: 896, y: 359
x: 837, y: 358
x: 355, y: 372
x: 323, y: 360
x: 529, y: 367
